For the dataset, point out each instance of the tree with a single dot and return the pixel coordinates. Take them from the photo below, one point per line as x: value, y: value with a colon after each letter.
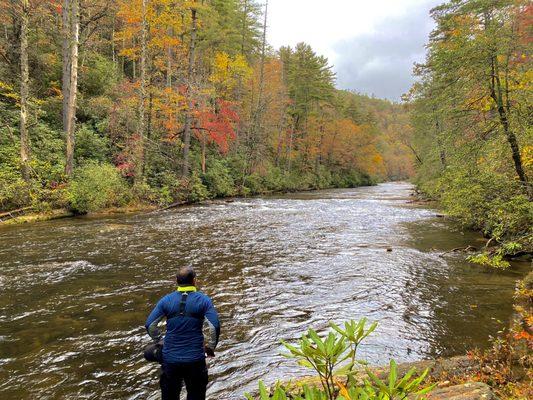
x: 471, y: 52
x: 24, y: 90
x: 189, y: 94
x: 139, y: 170
x: 71, y: 28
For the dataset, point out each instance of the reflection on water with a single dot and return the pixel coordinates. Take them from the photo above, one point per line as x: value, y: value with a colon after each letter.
x: 75, y: 293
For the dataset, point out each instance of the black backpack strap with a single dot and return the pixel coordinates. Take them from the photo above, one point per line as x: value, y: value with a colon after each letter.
x: 181, y: 310
x: 183, y: 303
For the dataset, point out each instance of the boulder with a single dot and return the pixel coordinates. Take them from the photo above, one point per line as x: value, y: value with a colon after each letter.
x: 466, y: 391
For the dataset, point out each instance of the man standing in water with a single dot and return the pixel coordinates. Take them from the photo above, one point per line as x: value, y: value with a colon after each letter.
x: 184, y: 348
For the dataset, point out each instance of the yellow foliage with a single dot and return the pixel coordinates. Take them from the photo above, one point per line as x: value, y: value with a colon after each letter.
x: 228, y: 73
x: 527, y: 156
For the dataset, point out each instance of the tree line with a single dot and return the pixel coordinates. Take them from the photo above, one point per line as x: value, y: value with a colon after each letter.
x: 106, y: 102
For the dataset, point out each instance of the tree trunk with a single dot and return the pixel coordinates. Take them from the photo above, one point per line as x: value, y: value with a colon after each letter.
x: 442, y: 151
x: 497, y: 96
x: 65, y: 86
x: 24, y: 92
x: 139, y: 162
x: 169, y: 61
x: 243, y: 29
x: 113, y: 55
x: 71, y: 66
x: 188, y: 113
x: 203, y: 152
x: 259, y: 112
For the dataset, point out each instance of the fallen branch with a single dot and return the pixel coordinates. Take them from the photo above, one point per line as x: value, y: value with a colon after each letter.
x: 173, y: 205
x: 464, y: 248
x: 7, y: 215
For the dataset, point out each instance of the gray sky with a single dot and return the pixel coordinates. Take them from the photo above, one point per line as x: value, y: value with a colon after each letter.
x: 371, y: 43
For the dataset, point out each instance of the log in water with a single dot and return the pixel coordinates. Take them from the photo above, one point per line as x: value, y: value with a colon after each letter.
x: 76, y: 292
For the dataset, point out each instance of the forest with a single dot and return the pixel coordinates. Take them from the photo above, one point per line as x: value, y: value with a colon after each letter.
x: 471, y: 116
x: 109, y: 103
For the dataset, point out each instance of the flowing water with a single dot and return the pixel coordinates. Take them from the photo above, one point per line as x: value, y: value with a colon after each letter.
x: 75, y: 292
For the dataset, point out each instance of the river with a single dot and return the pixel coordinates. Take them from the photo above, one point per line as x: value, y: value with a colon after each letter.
x: 75, y: 292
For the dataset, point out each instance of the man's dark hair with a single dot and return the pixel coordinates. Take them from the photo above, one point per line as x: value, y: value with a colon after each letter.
x: 185, y: 276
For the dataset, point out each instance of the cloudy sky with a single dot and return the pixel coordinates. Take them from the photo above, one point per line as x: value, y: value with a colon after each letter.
x: 371, y: 43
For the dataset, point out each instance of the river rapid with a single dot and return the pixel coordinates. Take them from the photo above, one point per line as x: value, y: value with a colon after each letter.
x: 75, y: 292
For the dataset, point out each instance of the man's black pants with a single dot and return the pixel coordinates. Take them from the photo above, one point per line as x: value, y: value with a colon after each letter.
x: 194, y: 374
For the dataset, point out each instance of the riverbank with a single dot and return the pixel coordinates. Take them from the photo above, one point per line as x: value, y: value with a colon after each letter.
x: 15, y: 217
x: 451, y: 377
x: 61, y: 213
x: 505, y: 222
x: 502, y: 372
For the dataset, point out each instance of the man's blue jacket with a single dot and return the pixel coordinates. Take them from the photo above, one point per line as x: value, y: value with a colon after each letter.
x: 184, y: 339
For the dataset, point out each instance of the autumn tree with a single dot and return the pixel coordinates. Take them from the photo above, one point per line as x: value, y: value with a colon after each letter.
x: 473, y: 52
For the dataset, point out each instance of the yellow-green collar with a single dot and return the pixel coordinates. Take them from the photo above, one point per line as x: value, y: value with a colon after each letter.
x: 186, y: 289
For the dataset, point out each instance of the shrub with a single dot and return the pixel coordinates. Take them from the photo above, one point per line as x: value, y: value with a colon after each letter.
x: 253, y: 184
x: 334, y: 355
x: 90, y: 145
x: 14, y: 192
x: 196, y: 189
x: 96, y: 186
x: 190, y: 190
x: 275, y: 180
x: 218, y: 179
x: 99, y: 76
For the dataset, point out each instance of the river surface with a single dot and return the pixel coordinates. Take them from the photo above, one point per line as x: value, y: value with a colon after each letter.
x: 75, y: 292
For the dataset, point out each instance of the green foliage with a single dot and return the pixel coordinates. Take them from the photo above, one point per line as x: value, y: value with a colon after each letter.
x: 324, y: 355
x: 309, y: 79
x: 98, y: 75
x: 321, y: 355
x: 253, y: 184
x: 488, y: 202
x: 96, y: 186
x: 14, y: 192
x: 484, y: 201
x: 193, y: 190
x: 90, y: 145
x: 264, y: 394
x: 339, y: 345
x: 354, y: 333
x: 486, y: 259
x: 398, y: 387
x: 218, y: 179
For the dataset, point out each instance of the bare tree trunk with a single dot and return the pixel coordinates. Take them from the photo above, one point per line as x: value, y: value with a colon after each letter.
x: 169, y: 61
x: 123, y: 63
x: 203, y: 152
x: 318, y: 159
x: 188, y: 113
x: 24, y: 91
x: 139, y: 162
x: 291, y: 140
x: 65, y: 86
x: 69, y: 114
x: 113, y: 55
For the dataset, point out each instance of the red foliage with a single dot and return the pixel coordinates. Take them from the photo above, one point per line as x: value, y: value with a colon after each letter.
x: 217, y: 126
